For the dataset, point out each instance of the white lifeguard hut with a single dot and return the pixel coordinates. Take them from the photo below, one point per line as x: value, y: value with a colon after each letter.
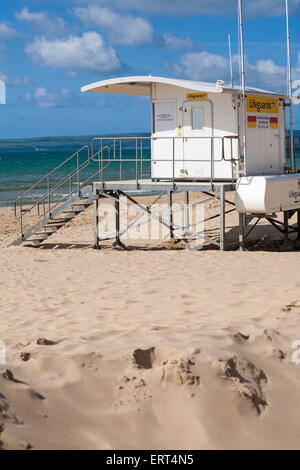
x: 204, y: 132
x: 197, y: 129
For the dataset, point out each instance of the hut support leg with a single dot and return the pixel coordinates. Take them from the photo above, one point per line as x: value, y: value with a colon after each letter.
x: 96, y: 224
x: 118, y: 243
x: 222, y: 218
x: 170, y: 205
x: 286, y: 225
x: 242, y: 232
x: 186, y: 214
x: 298, y: 225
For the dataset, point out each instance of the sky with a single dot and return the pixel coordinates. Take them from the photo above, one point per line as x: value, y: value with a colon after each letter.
x: 50, y: 49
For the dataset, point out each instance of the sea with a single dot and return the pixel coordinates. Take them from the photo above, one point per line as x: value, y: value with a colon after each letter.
x: 23, y: 162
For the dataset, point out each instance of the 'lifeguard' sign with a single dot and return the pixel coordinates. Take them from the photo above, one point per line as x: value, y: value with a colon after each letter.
x: 197, y: 96
x: 262, y: 104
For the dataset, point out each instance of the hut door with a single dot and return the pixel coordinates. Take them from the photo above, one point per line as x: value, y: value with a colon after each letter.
x: 197, y: 142
x: 163, y: 133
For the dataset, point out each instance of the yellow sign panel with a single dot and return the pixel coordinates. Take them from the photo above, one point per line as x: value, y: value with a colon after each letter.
x: 197, y: 96
x: 262, y: 105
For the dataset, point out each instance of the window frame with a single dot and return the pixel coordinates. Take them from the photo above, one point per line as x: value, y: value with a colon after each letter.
x: 203, y: 118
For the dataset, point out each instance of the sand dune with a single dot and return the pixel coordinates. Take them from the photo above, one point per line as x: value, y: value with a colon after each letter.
x: 149, y: 348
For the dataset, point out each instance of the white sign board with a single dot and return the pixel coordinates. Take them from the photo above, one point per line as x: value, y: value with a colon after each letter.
x: 164, y: 116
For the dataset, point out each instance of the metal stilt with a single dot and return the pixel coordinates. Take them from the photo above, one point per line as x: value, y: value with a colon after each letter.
x: 171, y: 221
x: 298, y: 225
x: 286, y: 225
x: 222, y: 218
x: 241, y: 232
x: 96, y: 225
x: 118, y: 243
x: 186, y: 214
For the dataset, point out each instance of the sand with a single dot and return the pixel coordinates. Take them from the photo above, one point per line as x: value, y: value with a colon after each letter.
x: 151, y: 348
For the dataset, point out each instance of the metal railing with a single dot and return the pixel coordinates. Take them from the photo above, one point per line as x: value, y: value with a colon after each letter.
x: 120, y: 150
x: 123, y: 150
x: 45, y: 199
x: 296, y: 144
x: 71, y: 183
x: 109, y: 150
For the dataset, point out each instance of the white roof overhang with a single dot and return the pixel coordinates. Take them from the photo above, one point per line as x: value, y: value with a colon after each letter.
x: 141, y: 85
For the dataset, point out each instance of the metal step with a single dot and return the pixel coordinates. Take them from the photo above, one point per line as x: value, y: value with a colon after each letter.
x: 85, y: 203
x: 63, y: 220
x: 56, y: 225
x: 35, y: 242
x: 53, y: 222
x: 75, y: 211
x: 46, y: 233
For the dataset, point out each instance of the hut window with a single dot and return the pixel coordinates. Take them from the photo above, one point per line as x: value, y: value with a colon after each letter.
x: 197, y: 118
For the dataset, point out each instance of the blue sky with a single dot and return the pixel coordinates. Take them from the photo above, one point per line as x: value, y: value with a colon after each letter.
x: 50, y: 49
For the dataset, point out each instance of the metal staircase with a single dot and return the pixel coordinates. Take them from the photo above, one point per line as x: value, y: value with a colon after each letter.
x: 56, y: 212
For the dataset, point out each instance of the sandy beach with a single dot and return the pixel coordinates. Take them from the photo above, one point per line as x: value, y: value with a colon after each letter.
x: 153, y: 348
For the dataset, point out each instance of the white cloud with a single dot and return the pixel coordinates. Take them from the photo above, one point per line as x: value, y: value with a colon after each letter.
x: 270, y: 66
x: 16, y: 81
x: 270, y: 7
x: 268, y: 73
x: 6, y: 32
x: 88, y: 53
x: 202, y: 66
x: 264, y: 73
x: 176, y: 43
x: 205, y: 66
x: 203, y: 7
x: 44, y: 98
x: 25, y: 15
x: 123, y: 29
x: 52, y: 27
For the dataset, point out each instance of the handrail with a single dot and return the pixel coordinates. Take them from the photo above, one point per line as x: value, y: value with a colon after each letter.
x: 112, y: 151
x: 139, y: 159
x: 296, y: 145
x: 57, y: 186
x: 55, y: 169
x: 114, y: 148
x: 75, y: 172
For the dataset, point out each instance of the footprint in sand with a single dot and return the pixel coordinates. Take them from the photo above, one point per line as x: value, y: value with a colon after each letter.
x: 46, y: 342
x: 240, y: 338
x: 148, y: 375
x: 25, y: 356
x: 290, y: 307
x: 249, y: 380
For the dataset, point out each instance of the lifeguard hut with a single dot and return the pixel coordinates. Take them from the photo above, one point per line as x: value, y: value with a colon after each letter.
x: 197, y: 128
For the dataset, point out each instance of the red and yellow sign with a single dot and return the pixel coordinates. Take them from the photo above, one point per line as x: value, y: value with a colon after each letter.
x: 274, y: 122
x: 262, y: 105
x: 262, y: 122
x: 197, y: 96
x: 252, y: 121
